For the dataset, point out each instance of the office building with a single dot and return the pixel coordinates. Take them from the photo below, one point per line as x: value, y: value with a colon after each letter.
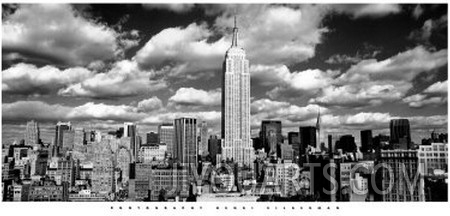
x: 166, y: 135
x: 237, y: 144
x: 404, y: 164
x: 271, y: 136
x: 61, y: 127
x: 433, y: 157
x: 366, y: 141
x: 400, y: 133
x: 203, y: 139
x: 185, y: 144
x: 32, y: 134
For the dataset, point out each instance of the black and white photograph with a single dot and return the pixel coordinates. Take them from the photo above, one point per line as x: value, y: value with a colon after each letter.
x: 224, y: 102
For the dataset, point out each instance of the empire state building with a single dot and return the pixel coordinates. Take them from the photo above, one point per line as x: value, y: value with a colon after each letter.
x: 236, y: 141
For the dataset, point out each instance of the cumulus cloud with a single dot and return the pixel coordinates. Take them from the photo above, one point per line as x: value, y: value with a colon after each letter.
x: 28, y: 79
x: 290, y: 114
x: 58, y: 34
x: 177, y: 8
x: 124, y: 79
x: 275, y: 34
x: 196, y: 97
x: 361, y: 95
x: 184, y: 49
x: 403, y: 66
x: 421, y: 100
x: 434, y: 95
x: 290, y: 83
x: 151, y: 104
x: 371, y: 82
x: 440, y: 87
x: 38, y: 110
x: 367, y: 10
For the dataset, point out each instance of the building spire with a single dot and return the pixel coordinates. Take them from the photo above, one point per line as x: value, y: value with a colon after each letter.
x: 235, y: 33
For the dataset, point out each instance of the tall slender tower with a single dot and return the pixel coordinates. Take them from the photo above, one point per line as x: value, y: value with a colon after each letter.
x: 237, y: 144
x: 318, y: 122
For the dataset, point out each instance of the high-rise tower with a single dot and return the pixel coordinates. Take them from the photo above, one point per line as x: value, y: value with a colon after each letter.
x: 237, y: 144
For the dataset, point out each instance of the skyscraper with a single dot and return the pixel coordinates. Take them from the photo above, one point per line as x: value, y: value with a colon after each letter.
x: 400, y: 132
x: 59, y: 135
x: 271, y: 135
x: 318, y: 122
x: 129, y: 130
x: 307, y: 138
x: 185, y: 146
x: 32, y: 133
x: 237, y: 145
x: 203, y: 142
x: 166, y: 134
x: 366, y: 140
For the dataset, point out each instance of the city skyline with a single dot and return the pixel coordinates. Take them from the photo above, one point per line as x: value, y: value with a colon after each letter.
x: 155, y: 63
x: 164, y: 91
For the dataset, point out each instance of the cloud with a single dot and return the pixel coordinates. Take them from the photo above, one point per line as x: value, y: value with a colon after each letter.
x: 58, y: 34
x: 275, y: 34
x: 177, y: 8
x: 196, y: 97
x: 266, y: 109
x: 38, y: 110
x: 290, y: 83
x: 417, y: 12
x: 440, y: 87
x: 343, y: 59
x: 185, y: 50
x: 434, y: 95
x: 28, y: 79
x: 367, y: 10
x: 403, y: 66
x: 361, y: 95
x: 430, y: 27
x: 371, y: 82
x: 421, y: 100
x: 151, y: 104
x: 123, y: 79
x: 268, y: 39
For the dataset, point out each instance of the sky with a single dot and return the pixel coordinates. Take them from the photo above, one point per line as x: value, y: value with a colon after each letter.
x: 101, y: 65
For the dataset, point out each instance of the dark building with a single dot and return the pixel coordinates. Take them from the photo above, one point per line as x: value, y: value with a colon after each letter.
x: 214, y: 148
x: 380, y: 142
x: 330, y: 146
x: 152, y: 138
x: 366, y: 141
x: 271, y: 135
x: 294, y: 140
x: 61, y: 127
x: 346, y: 143
x: 320, y: 172
x: 400, y: 133
x: 308, y: 136
x: 257, y: 143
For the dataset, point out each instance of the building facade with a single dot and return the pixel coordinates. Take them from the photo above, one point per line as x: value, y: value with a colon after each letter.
x: 401, y: 164
x: 186, y: 146
x: 166, y: 135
